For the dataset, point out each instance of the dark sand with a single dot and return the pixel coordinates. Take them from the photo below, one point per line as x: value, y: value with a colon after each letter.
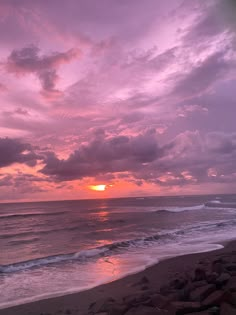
x: 158, y: 275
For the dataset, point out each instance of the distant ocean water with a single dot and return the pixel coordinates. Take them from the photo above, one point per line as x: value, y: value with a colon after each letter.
x: 53, y: 248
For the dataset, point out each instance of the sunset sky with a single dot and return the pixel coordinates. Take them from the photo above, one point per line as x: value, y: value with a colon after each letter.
x: 136, y: 96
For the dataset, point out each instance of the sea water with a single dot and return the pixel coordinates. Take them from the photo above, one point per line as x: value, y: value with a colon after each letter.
x: 54, y: 248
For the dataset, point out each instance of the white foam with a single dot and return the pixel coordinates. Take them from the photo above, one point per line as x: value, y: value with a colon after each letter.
x: 215, y: 201
x: 180, y: 209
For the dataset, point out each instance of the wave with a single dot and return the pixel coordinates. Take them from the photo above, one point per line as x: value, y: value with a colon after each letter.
x: 82, y: 255
x: 28, y: 214
x: 220, y: 205
x: 116, y: 247
x: 215, y: 201
x: 40, y: 232
x: 180, y: 209
x: 209, y: 204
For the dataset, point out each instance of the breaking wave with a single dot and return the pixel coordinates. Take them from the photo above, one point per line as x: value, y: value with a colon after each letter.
x: 180, y: 209
x: 116, y: 247
x: 209, y: 204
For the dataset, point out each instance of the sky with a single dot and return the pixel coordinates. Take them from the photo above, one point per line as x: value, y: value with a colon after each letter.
x: 112, y: 98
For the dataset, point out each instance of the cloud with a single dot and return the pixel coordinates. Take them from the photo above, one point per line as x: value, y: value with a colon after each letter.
x: 203, y: 75
x: 174, y: 73
x: 21, y: 111
x: 105, y: 155
x: 222, y: 143
x: 3, y: 88
x: 15, y: 151
x: 28, y: 60
x: 5, y: 180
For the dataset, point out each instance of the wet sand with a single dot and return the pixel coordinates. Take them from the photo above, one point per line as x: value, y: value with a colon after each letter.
x: 146, y: 283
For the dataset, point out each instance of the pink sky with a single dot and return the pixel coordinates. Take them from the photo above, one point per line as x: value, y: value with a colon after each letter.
x: 136, y: 95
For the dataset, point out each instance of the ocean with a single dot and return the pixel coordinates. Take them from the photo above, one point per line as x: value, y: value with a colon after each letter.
x: 55, y: 248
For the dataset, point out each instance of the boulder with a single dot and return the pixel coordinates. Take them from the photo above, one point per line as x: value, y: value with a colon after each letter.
x: 186, y: 307
x: 159, y: 301
x: 103, y: 305
x: 136, y: 299
x: 144, y: 287
x: 166, y: 289
x: 230, y: 267
x: 200, y: 274
x: 222, y: 279
x: 217, y: 267
x: 193, y: 285
x: 142, y: 310
x: 214, y: 310
x: 201, y: 293
x: 180, y: 295
x: 227, y: 309
x: 231, y: 284
x: 118, y: 309
x: 232, y: 299
x: 211, y: 277
x: 199, y: 313
x: 178, y: 283
x: 214, y: 299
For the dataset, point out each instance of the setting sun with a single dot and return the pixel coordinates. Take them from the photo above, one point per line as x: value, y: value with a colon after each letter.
x: 98, y: 187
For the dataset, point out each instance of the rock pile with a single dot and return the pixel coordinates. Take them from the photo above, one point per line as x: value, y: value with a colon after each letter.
x: 209, y: 289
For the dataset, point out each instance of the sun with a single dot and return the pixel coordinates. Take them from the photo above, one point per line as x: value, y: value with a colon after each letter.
x: 98, y: 187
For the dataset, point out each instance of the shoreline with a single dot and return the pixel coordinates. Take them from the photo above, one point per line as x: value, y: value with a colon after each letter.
x: 158, y: 274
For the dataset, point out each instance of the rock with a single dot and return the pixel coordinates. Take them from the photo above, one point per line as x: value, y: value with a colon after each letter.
x: 144, y: 287
x: 102, y: 305
x: 211, y: 277
x: 214, y: 310
x: 231, y: 284
x: 179, y: 295
x: 165, y: 289
x: 230, y: 267
x: 215, y: 298
x: 232, y: 299
x: 199, y: 313
x: 178, y: 283
x: 196, y: 284
x: 217, y: 267
x: 142, y: 310
x: 118, y: 309
x: 200, y: 274
x: 159, y: 300
x: 136, y: 299
x: 222, y: 279
x: 227, y: 309
x: 201, y: 293
x: 186, y: 307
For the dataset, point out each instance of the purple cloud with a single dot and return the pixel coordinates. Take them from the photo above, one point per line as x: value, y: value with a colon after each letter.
x: 104, y: 155
x: 28, y: 60
x: 15, y: 151
x: 152, y: 101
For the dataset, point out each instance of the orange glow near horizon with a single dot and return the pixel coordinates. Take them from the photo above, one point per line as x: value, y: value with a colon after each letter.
x: 98, y: 187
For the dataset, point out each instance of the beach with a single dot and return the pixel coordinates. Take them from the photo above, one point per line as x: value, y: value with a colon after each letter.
x: 138, y: 293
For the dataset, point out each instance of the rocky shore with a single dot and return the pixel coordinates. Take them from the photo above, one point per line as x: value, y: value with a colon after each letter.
x: 209, y: 289
x: 202, y: 283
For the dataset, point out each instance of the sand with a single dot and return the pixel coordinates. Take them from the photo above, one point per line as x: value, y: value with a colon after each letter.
x: 158, y: 275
